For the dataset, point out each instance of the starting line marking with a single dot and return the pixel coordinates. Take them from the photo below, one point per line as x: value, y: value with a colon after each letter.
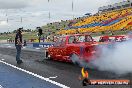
x: 2, y: 59
x: 53, y: 77
x: 36, y: 75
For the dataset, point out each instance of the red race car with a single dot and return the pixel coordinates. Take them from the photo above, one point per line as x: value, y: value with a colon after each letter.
x: 68, y: 46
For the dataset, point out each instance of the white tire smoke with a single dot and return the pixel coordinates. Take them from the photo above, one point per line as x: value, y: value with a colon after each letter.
x: 117, y: 59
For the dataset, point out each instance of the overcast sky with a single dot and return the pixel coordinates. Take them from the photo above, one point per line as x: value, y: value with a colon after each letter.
x: 36, y: 12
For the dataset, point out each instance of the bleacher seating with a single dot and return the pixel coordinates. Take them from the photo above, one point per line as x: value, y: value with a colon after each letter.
x: 105, y: 21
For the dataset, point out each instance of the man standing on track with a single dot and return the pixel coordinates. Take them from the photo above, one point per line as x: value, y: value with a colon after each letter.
x: 18, y: 44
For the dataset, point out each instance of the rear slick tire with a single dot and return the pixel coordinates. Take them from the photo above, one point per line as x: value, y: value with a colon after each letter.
x: 81, y: 63
x: 75, y: 59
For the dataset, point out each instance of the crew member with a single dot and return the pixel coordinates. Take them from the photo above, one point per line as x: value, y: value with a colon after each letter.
x: 18, y: 44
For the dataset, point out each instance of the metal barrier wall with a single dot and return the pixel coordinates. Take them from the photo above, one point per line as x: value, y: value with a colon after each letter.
x: 44, y: 44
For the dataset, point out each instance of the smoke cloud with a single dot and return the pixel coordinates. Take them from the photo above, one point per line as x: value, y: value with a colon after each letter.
x: 116, y: 58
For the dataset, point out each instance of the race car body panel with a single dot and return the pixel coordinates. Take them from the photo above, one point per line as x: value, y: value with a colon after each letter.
x: 80, y: 44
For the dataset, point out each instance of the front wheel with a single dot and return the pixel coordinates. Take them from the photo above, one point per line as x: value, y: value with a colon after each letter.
x: 47, y: 56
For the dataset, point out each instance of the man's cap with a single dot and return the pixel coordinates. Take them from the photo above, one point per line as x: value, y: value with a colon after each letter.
x: 19, y: 29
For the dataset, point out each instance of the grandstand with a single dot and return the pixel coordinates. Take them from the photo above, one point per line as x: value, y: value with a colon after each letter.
x: 114, y: 17
x: 116, y: 6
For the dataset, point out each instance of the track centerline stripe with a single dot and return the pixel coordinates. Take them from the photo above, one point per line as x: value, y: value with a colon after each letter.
x: 36, y: 75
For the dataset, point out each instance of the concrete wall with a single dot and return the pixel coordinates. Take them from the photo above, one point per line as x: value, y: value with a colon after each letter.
x: 3, y: 41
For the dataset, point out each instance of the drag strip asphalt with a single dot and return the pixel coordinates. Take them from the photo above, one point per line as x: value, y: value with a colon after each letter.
x: 65, y: 74
x: 30, y: 85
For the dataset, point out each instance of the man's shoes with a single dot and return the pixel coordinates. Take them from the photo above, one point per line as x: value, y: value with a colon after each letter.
x: 19, y: 62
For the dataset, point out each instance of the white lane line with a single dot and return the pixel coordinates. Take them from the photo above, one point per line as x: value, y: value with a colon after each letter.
x: 1, y: 86
x: 36, y: 75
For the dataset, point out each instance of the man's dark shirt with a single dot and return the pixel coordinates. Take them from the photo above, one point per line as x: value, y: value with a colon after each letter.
x: 18, y: 37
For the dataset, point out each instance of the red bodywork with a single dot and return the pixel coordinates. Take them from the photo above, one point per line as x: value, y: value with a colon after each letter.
x: 118, y: 38
x: 80, y: 44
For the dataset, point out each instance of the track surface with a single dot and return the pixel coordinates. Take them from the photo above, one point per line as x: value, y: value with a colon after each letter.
x: 12, y: 78
x: 64, y: 73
